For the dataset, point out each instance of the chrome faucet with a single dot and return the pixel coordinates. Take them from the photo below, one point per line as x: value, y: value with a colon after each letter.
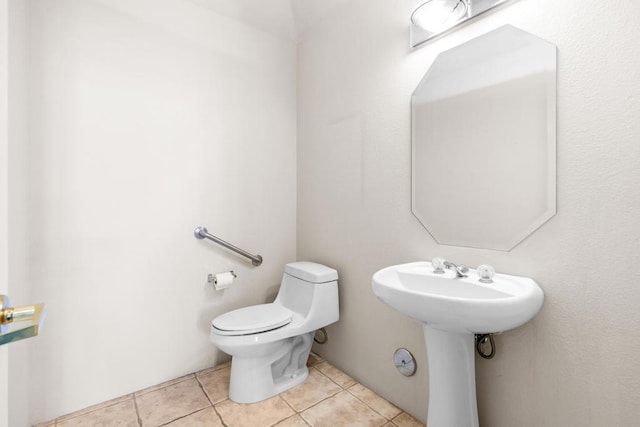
x: 460, y: 270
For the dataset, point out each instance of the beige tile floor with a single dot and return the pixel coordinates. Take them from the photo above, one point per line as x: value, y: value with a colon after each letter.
x: 328, y: 397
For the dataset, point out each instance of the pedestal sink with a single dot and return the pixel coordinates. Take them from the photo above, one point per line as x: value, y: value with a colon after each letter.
x: 452, y: 309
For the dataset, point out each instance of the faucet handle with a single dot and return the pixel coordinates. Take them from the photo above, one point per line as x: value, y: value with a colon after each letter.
x: 438, y: 265
x: 486, y: 273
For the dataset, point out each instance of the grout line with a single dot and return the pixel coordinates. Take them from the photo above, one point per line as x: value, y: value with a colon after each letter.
x: 134, y: 396
x: 93, y: 408
x: 286, y: 403
x: 164, y: 385
x: 344, y: 387
x: 207, y: 371
x: 304, y: 421
x: 356, y: 397
x: 369, y: 406
x: 408, y: 414
x: 182, y: 416
x: 290, y: 416
x: 219, y: 415
x: 204, y: 391
x: 347, y: 390
x: 315, y: 404
x: 295, y: 412
x: 319, y: 402
x: 327, y: 376
x: 213, y: 405
x: 290, y: 407
x: 135, y: 405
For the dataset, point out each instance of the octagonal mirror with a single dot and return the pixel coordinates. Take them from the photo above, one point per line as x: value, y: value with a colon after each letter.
x: 484, y: 141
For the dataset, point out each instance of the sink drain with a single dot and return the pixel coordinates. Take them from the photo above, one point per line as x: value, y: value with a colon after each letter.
x: 404, y: 361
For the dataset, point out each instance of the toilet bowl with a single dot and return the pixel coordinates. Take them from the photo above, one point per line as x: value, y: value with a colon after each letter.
x: 270, y: 343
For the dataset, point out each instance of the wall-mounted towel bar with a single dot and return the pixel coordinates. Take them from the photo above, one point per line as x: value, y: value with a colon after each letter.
x: 202, y: 233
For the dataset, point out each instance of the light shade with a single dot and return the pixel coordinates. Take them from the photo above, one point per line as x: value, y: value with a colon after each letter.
x: 432, y: 18
x: 438, y: 15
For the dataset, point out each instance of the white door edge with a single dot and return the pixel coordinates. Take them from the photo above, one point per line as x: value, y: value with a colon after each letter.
x: 4, y: 198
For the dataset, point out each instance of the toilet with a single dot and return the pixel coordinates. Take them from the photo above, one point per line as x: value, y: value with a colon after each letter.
x: 270, y: 343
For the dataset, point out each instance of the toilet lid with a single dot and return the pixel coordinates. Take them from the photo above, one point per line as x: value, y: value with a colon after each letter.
x: 252, y: 320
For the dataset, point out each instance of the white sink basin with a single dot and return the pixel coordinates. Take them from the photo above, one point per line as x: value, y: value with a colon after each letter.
x: 458, y: 304
x: 452, y: 309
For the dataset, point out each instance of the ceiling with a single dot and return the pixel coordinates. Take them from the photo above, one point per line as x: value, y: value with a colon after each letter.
x: 283, y: 18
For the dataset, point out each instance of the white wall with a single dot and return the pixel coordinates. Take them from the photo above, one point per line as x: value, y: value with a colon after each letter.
x: 18, y: 170
x: 4, y: 197
x: 576, y: 363
x: 145, y: 119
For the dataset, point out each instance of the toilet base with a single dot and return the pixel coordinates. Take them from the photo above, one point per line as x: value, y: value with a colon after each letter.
x: 258, y: 378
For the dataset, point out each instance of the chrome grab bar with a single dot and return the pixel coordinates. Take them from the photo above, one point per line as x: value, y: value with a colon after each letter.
x: 202, y: 233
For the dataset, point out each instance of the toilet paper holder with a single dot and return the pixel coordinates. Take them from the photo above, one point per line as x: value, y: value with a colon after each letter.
x: 211, y: 278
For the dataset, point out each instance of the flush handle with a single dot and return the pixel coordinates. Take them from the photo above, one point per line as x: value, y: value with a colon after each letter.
x: 33, y: 314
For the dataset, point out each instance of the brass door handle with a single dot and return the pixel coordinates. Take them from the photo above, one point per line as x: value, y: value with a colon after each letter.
x: 33, y: 313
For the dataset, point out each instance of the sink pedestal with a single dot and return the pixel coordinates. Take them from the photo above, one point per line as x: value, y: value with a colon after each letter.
x: 452, y: 378
x: 450, y: 308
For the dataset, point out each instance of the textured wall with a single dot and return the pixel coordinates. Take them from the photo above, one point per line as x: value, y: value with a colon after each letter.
x: 576, y: 363
x: 145, y: 119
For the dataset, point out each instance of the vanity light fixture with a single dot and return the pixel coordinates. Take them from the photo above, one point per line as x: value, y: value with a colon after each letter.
x: 438, y: 15
x: 432, y: 18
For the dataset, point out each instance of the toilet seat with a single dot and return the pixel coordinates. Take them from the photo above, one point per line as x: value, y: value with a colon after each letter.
x: 252, y: 320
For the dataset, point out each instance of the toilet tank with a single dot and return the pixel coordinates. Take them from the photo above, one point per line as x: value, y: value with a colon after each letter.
x: 311, y: 290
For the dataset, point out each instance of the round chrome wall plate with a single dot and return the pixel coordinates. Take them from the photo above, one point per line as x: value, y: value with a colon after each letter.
x: 404, y: 361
